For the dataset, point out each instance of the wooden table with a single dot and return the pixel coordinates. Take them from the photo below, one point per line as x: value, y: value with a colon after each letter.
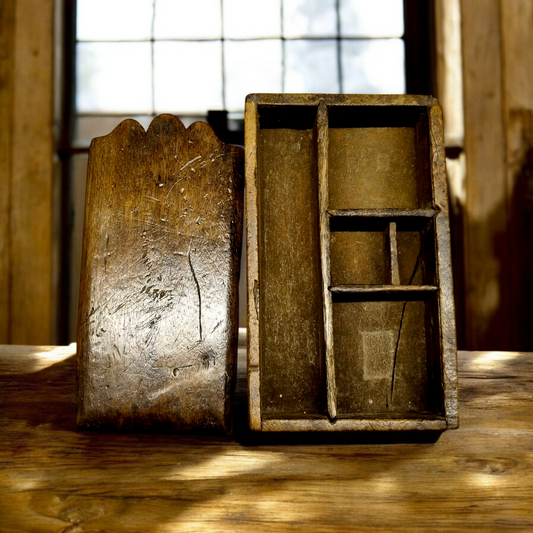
x: 54, y: 478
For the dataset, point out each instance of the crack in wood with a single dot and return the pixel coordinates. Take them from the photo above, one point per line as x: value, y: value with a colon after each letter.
x: 106, y: 252
x: 197, y: 290
x: 400, y: 332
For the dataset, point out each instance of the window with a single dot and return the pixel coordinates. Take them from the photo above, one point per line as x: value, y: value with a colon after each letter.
x: 198, y: 60
x: 189, y: 57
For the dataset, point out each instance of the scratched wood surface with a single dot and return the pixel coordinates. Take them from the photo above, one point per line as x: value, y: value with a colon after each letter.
x: 54, y: 478
x: 350, y: 304
x: 158, y: 299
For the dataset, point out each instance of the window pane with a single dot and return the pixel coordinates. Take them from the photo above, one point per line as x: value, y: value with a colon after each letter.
x: 188, y: 77
x: 114, y: 20
x: 114, y: 77
x: 309, y: 18
x: 198, y: 19
x: 375, y: 66
x: 311, y: 66
x: 244, y: 19
x: 378, y: 18
x: 251, y: 67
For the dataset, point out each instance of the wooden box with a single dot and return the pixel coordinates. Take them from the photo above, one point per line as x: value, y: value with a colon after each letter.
x: 158, y: 320
x: 350, y: 300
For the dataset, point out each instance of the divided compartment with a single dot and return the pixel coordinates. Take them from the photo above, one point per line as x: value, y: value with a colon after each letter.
x: 379, y: 157
x: 382, y: 251
x: 292, y: 363
x: 387, y: 356
x: 384, y: 317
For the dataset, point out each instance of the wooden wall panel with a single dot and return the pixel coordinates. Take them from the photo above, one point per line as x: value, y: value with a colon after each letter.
x: 498, y: 206
x: 449, y: 72
x: 449, y: 90
x: 27, y: 172
x: 517, y: 61
x: 7, y: 10
x: 487, y: 302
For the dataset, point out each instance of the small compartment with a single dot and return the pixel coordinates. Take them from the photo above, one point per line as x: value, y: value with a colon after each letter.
x: 379, y: 158
x: 416, y: 251
x: 294, y: 117
x: 365, y: 250
x: 359, y: 251
x: 386, y: 358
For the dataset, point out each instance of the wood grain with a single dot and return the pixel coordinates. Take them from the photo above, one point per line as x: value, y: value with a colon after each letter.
x: 382, y: 213
x: 26, y: 171
x: 449, y: 71
x: 384, y: 289
x: 446, y: 305
x: 32, y: 299
x: 322, y: 148
x: 7, y: 24
x: 56, y: 479
x: 491, y: 180
x: 289, y: 273
x: 393, y: 254
x: 158, y: 313
x: 517, y: 105
x: 251, y: 125
x: 487, y: 298
x: 340, y: 99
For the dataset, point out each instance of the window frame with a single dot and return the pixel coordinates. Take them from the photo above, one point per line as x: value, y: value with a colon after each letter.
x: 419, y: 79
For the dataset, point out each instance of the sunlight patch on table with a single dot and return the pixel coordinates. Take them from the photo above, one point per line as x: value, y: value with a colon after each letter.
x: 19, y: 359
x: 222, y: 466
x: 490, y: 360
x: 485, y: 480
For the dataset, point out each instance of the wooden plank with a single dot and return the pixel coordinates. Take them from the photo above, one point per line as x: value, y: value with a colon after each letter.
x: 322, y: 139
x: 354, y: 424
x: 448, y: 342
x: 449, y: 87
x: 251, y: 126
x: 287, y: 238
x: 517, y: 76
x: 383, y: 289
x: 449, y: 71
x: 476, y: 478
x: 342, y: 99
x: 382, y: 213
x: 7, y: 25
x: 158, y: 317
x: 31, y: 206
x: 393, y: 253
x: 16, y: 360
x: 487, y: 298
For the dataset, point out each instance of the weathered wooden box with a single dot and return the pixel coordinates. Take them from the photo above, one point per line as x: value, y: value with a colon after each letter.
x: 157, y: 331
x: 350, y: 301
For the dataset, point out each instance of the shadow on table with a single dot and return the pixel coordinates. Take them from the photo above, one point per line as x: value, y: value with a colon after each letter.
x: 48, y: 397
x: 243, y: 435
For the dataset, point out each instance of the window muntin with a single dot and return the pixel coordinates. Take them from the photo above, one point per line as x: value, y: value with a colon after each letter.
x: 189, y: 57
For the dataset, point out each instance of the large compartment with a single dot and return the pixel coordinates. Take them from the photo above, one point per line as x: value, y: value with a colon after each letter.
x: 291, y: 322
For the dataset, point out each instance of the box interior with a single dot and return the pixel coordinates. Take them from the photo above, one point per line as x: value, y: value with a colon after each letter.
x: 386, y: 345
